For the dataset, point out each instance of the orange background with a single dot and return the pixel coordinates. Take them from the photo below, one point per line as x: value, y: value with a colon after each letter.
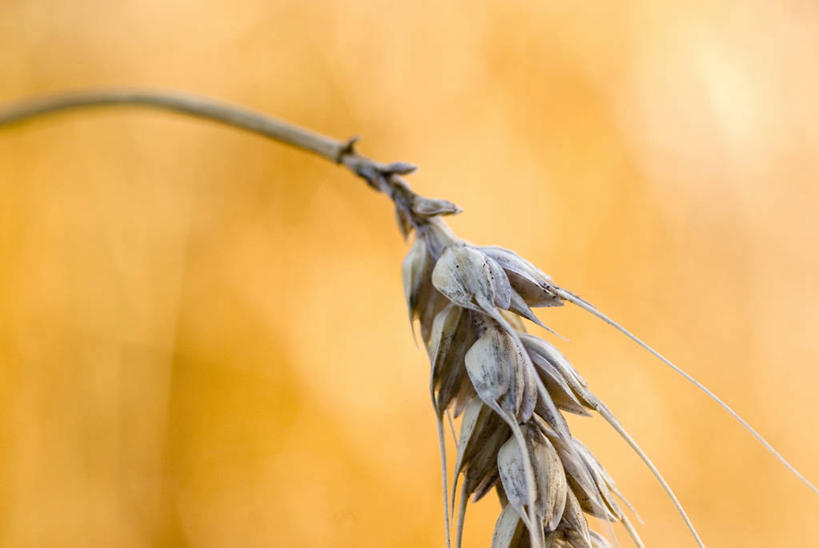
x: 203, y: 340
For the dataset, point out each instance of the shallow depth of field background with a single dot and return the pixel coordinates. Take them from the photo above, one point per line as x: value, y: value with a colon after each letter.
x: 203, y: 340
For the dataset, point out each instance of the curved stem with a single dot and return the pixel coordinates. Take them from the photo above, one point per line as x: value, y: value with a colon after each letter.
x: 191, y: 105
x: 382, y: 177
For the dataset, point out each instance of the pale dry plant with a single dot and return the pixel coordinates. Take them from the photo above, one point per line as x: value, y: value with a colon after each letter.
x: 509, y: 388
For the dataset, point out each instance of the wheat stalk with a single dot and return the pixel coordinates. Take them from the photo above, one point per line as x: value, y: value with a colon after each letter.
x: 509, y: 387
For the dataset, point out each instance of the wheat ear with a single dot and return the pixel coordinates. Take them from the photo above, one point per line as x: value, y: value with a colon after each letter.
x: 510, y: 387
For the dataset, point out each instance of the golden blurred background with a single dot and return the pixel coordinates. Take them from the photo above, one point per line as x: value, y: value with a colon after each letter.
x: 203, y: 340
